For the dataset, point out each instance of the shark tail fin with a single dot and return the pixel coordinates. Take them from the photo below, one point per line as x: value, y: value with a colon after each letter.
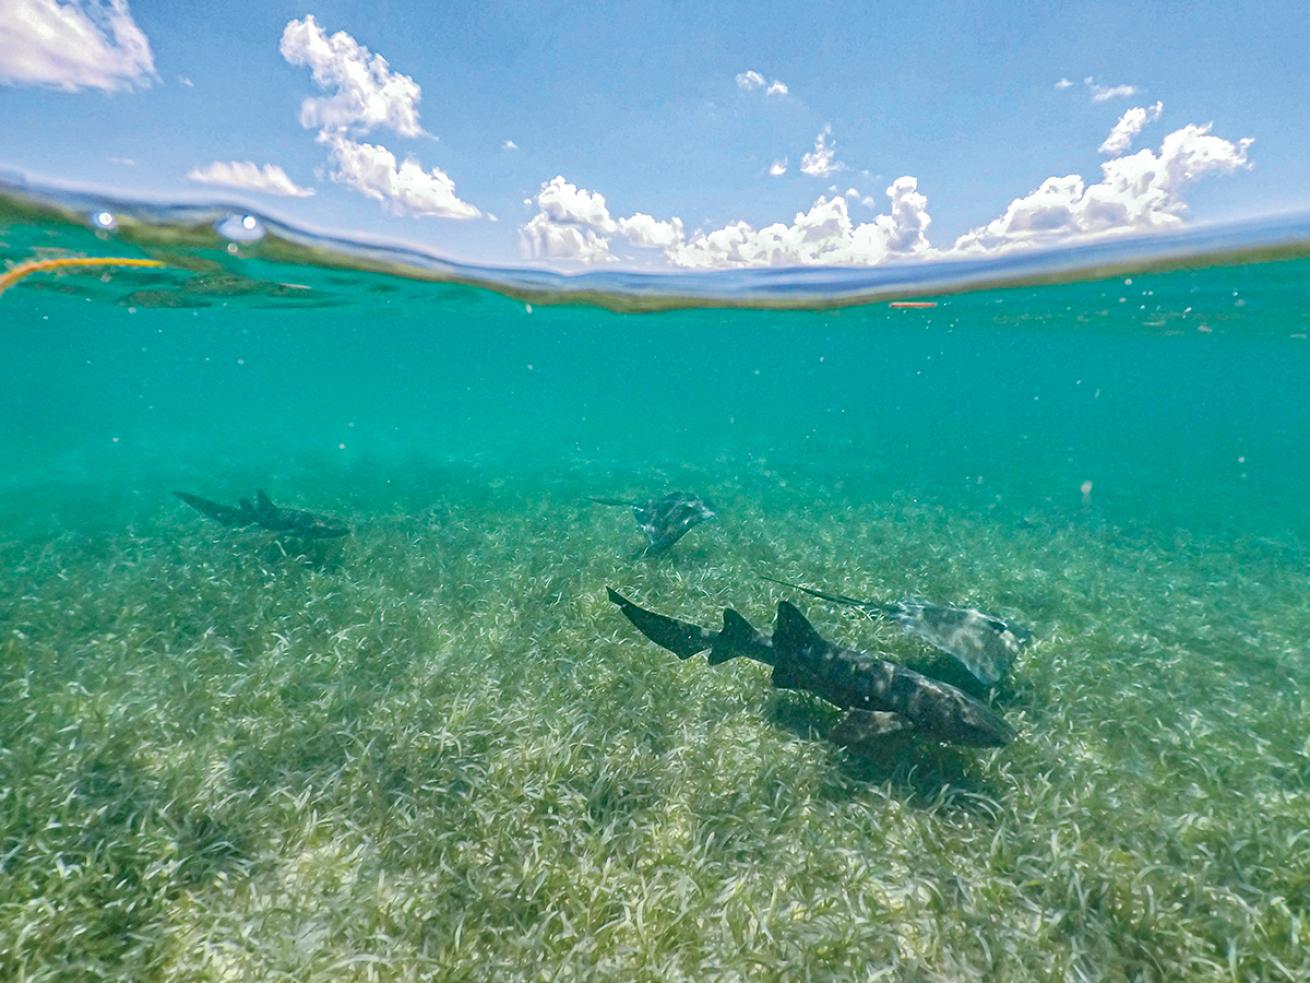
x: 737, y: 638
x: 680, y: 637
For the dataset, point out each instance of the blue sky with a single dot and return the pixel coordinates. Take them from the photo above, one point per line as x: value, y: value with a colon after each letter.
x: 641, y: 138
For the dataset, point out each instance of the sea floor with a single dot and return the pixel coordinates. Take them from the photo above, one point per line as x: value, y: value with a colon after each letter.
x: 444, y: 755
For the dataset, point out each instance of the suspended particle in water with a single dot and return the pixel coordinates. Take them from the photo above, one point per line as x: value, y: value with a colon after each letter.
x: 104, y: 220
x: 528, y: 308
x: 1086, y: 489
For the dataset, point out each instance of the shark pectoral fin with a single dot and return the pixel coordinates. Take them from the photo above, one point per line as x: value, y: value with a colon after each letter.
x: 225, y: 514
x: 785, y: 676
x: 680, y: 637
x: 860, y: 727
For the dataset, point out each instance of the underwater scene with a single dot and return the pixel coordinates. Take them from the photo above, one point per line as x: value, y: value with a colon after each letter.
x: 367, y: 618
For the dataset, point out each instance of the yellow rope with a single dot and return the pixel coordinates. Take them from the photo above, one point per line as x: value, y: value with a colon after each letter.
x: 7, y: 280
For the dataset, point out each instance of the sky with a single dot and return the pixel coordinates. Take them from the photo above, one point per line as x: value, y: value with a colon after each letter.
x: 674, y: 135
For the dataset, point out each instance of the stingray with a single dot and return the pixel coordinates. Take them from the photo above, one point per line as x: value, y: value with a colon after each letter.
x: 984, y: 645
x: 263, y: 514
x: 881, y: 699
x: 666, y: 520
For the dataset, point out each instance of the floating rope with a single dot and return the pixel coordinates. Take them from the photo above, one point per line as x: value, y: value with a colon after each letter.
x: 8, y: 279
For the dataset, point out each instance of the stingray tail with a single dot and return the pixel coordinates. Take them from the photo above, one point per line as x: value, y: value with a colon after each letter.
x: 876, y: 607
x: 611, y: 501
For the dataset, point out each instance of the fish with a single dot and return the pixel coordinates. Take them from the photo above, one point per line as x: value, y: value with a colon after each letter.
x: 263, y: 514
x: 984, y: 645
x: 737, y: 637
x: 864, y: 683
x: 664, y: 521
x: 881, y: 699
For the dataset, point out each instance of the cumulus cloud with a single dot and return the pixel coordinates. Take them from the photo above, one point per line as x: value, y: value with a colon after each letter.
x: 564, y: 202
x: 249, y: 176
x: 750, y: 80
x: 1063, y: 84
x: 509, y: 145
x: 73, y: 45
x: 545, y: 239
x: 1104, y: 93
x: 365, y: 92
x: 403, y: 188
x: 820, y: 161
x: 1140, y: 192
x: 778, y: 168
x: 576, y: 224
x: 1128, y: 126
x: 647, y: 231
x: 824, y: 235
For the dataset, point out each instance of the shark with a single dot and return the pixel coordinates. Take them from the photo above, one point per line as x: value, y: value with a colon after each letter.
x: 667, y: 519
x: 984, y: 645
x: 263, y: 514
x: 880, y: 698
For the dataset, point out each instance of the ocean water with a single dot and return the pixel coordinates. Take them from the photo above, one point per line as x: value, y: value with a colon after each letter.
x: 437, y: 751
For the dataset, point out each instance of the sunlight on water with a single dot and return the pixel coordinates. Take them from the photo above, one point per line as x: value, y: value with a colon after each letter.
x: 389, y: 710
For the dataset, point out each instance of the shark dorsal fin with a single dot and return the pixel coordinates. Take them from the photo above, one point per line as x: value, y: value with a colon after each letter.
x: 792, y: 633
x: 262, y: 500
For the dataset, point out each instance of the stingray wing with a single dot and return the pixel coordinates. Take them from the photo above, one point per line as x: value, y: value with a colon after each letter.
x: 967, y: 635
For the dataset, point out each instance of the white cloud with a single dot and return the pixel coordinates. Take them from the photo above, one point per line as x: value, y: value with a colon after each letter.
x: 509, y: 145
x: 404, y: 188
x: 819, y: 162
x: 750, y: 80
x: 574, y: 223
x: 367, y: 93
x: 1063, y: 84
x: 778, y: 168
x: 73, y: 45
x: 1137, y: 193
x: 186, y: 81
x: 561, y: 201
x: 647, y: 231
x: 546, y: 239
x: 1129, y: 125
x: 1104, y: 93
x: 823, y: 235
x: 249, y: 176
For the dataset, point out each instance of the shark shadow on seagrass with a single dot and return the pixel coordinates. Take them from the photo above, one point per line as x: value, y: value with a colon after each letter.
x: 881, y: 698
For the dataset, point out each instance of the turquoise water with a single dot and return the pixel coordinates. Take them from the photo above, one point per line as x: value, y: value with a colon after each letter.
x: 383, y: 740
